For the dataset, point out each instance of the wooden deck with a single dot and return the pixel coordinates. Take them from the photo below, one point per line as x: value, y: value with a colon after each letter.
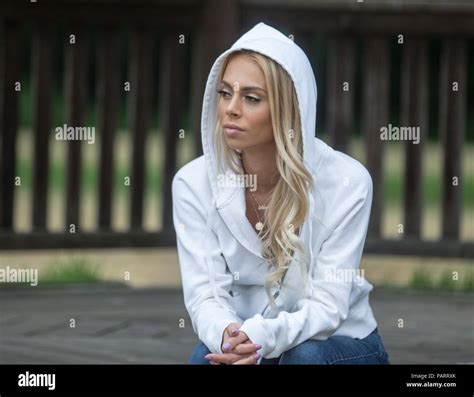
x: 116, y: 324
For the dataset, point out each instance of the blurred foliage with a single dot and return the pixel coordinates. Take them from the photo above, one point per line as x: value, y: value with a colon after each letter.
x: 318, y: 59
x: 74, y: 270
x: 423, y: 278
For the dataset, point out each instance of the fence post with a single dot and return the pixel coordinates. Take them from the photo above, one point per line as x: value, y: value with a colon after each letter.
x: 414, y: 114
x: 452, y: 115
x: 141, y: 72
x: 375, y: 116
x: 108, y: 94
x: 173, y: 107
x: 41, y: 76
x: 75, y: 97
x: 340, y: 92
x: 9, y: 75
x: 213, y: 36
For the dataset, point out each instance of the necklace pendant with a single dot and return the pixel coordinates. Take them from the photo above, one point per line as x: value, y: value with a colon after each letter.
x: 262, y: 207
x: 259, y: 226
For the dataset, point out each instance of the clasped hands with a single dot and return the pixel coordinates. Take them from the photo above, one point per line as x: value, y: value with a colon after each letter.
x: 237, y: 347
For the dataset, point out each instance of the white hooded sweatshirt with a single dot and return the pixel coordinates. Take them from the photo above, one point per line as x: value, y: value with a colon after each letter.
x: 220, y: 254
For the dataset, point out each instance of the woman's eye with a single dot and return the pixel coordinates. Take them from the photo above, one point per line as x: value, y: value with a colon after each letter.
x: 252, y: 99
x: 226, y: 94
x: 222, y: 93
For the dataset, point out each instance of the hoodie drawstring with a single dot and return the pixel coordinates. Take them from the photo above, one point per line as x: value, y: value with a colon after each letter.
x: 208, y: 258
x: 310, y: 220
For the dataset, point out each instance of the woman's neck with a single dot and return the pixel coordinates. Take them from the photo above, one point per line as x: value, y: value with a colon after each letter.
x: 261, y: 162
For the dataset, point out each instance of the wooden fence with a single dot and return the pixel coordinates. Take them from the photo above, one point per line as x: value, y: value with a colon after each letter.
x: 213, y: 25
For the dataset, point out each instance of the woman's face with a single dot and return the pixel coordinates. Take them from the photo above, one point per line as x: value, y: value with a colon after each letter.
x: 243, y: 102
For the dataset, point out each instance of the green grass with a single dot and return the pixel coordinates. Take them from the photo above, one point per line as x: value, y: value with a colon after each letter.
x: 57, y: 108
x: 72, y: 271
x: 468, y: 283
x: 394, y: 190
x: 89, y: 177
x: 422, y: 278
x: 393, y: 184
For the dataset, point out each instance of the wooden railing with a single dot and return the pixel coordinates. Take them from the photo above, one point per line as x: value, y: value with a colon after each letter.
x: 212, y: 26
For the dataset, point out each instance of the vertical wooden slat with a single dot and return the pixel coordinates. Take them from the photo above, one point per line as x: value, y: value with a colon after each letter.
x: 141, y: 67
x: 75, y: 95
x: 213, y: 36
x: 9, y: 74
x: 42, y: 87
x: 452, y: 119
x: 108, y: 100
x: 414, y: 115
x: 375, y: 114
x: 340, y: 101
x: 304, y: 40
x: 172, y: 111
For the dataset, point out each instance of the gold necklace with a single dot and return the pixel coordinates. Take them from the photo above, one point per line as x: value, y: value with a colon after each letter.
x: 259, y: 224
x: 260, y: 207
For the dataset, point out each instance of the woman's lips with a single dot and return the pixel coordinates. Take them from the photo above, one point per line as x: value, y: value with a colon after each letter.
x: 232, y: 131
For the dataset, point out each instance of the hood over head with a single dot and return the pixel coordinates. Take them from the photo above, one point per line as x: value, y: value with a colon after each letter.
x: 270, y: 42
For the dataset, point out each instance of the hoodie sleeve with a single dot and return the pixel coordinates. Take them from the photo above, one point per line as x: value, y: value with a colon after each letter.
x: 205, y: 278
x: 319, y: 315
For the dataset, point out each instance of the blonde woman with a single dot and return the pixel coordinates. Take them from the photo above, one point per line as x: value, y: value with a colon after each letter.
x: 271, y: 221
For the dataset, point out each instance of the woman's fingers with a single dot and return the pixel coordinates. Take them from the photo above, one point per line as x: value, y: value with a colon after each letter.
x: 227, y: 358
x: 246, y: 348
x: 251, y: 360
x: 234, y: 341
x: 233, y: 329
x: 242, y: 351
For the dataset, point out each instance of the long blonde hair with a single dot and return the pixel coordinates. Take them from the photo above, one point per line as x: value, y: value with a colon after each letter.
x: 289, y: 203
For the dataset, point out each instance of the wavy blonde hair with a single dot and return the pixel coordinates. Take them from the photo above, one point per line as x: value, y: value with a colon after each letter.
x: 289, y: 203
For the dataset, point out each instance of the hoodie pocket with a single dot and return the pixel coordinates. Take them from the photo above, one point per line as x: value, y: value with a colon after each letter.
x: 236, y: 290
x: 248, y: 299
x: 234, y: 293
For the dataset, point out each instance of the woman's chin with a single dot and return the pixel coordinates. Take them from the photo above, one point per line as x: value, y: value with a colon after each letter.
x: 237, y: 148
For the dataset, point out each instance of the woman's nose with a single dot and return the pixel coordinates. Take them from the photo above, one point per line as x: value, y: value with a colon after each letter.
x: 234, y: 107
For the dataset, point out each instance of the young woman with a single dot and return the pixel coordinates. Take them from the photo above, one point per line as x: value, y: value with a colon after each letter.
x: 271, y: 221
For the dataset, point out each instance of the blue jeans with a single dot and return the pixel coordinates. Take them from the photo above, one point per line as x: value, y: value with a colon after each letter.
x: 335, y: 350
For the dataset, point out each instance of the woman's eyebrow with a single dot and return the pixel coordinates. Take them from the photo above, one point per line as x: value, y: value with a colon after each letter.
x: 249, y: 88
